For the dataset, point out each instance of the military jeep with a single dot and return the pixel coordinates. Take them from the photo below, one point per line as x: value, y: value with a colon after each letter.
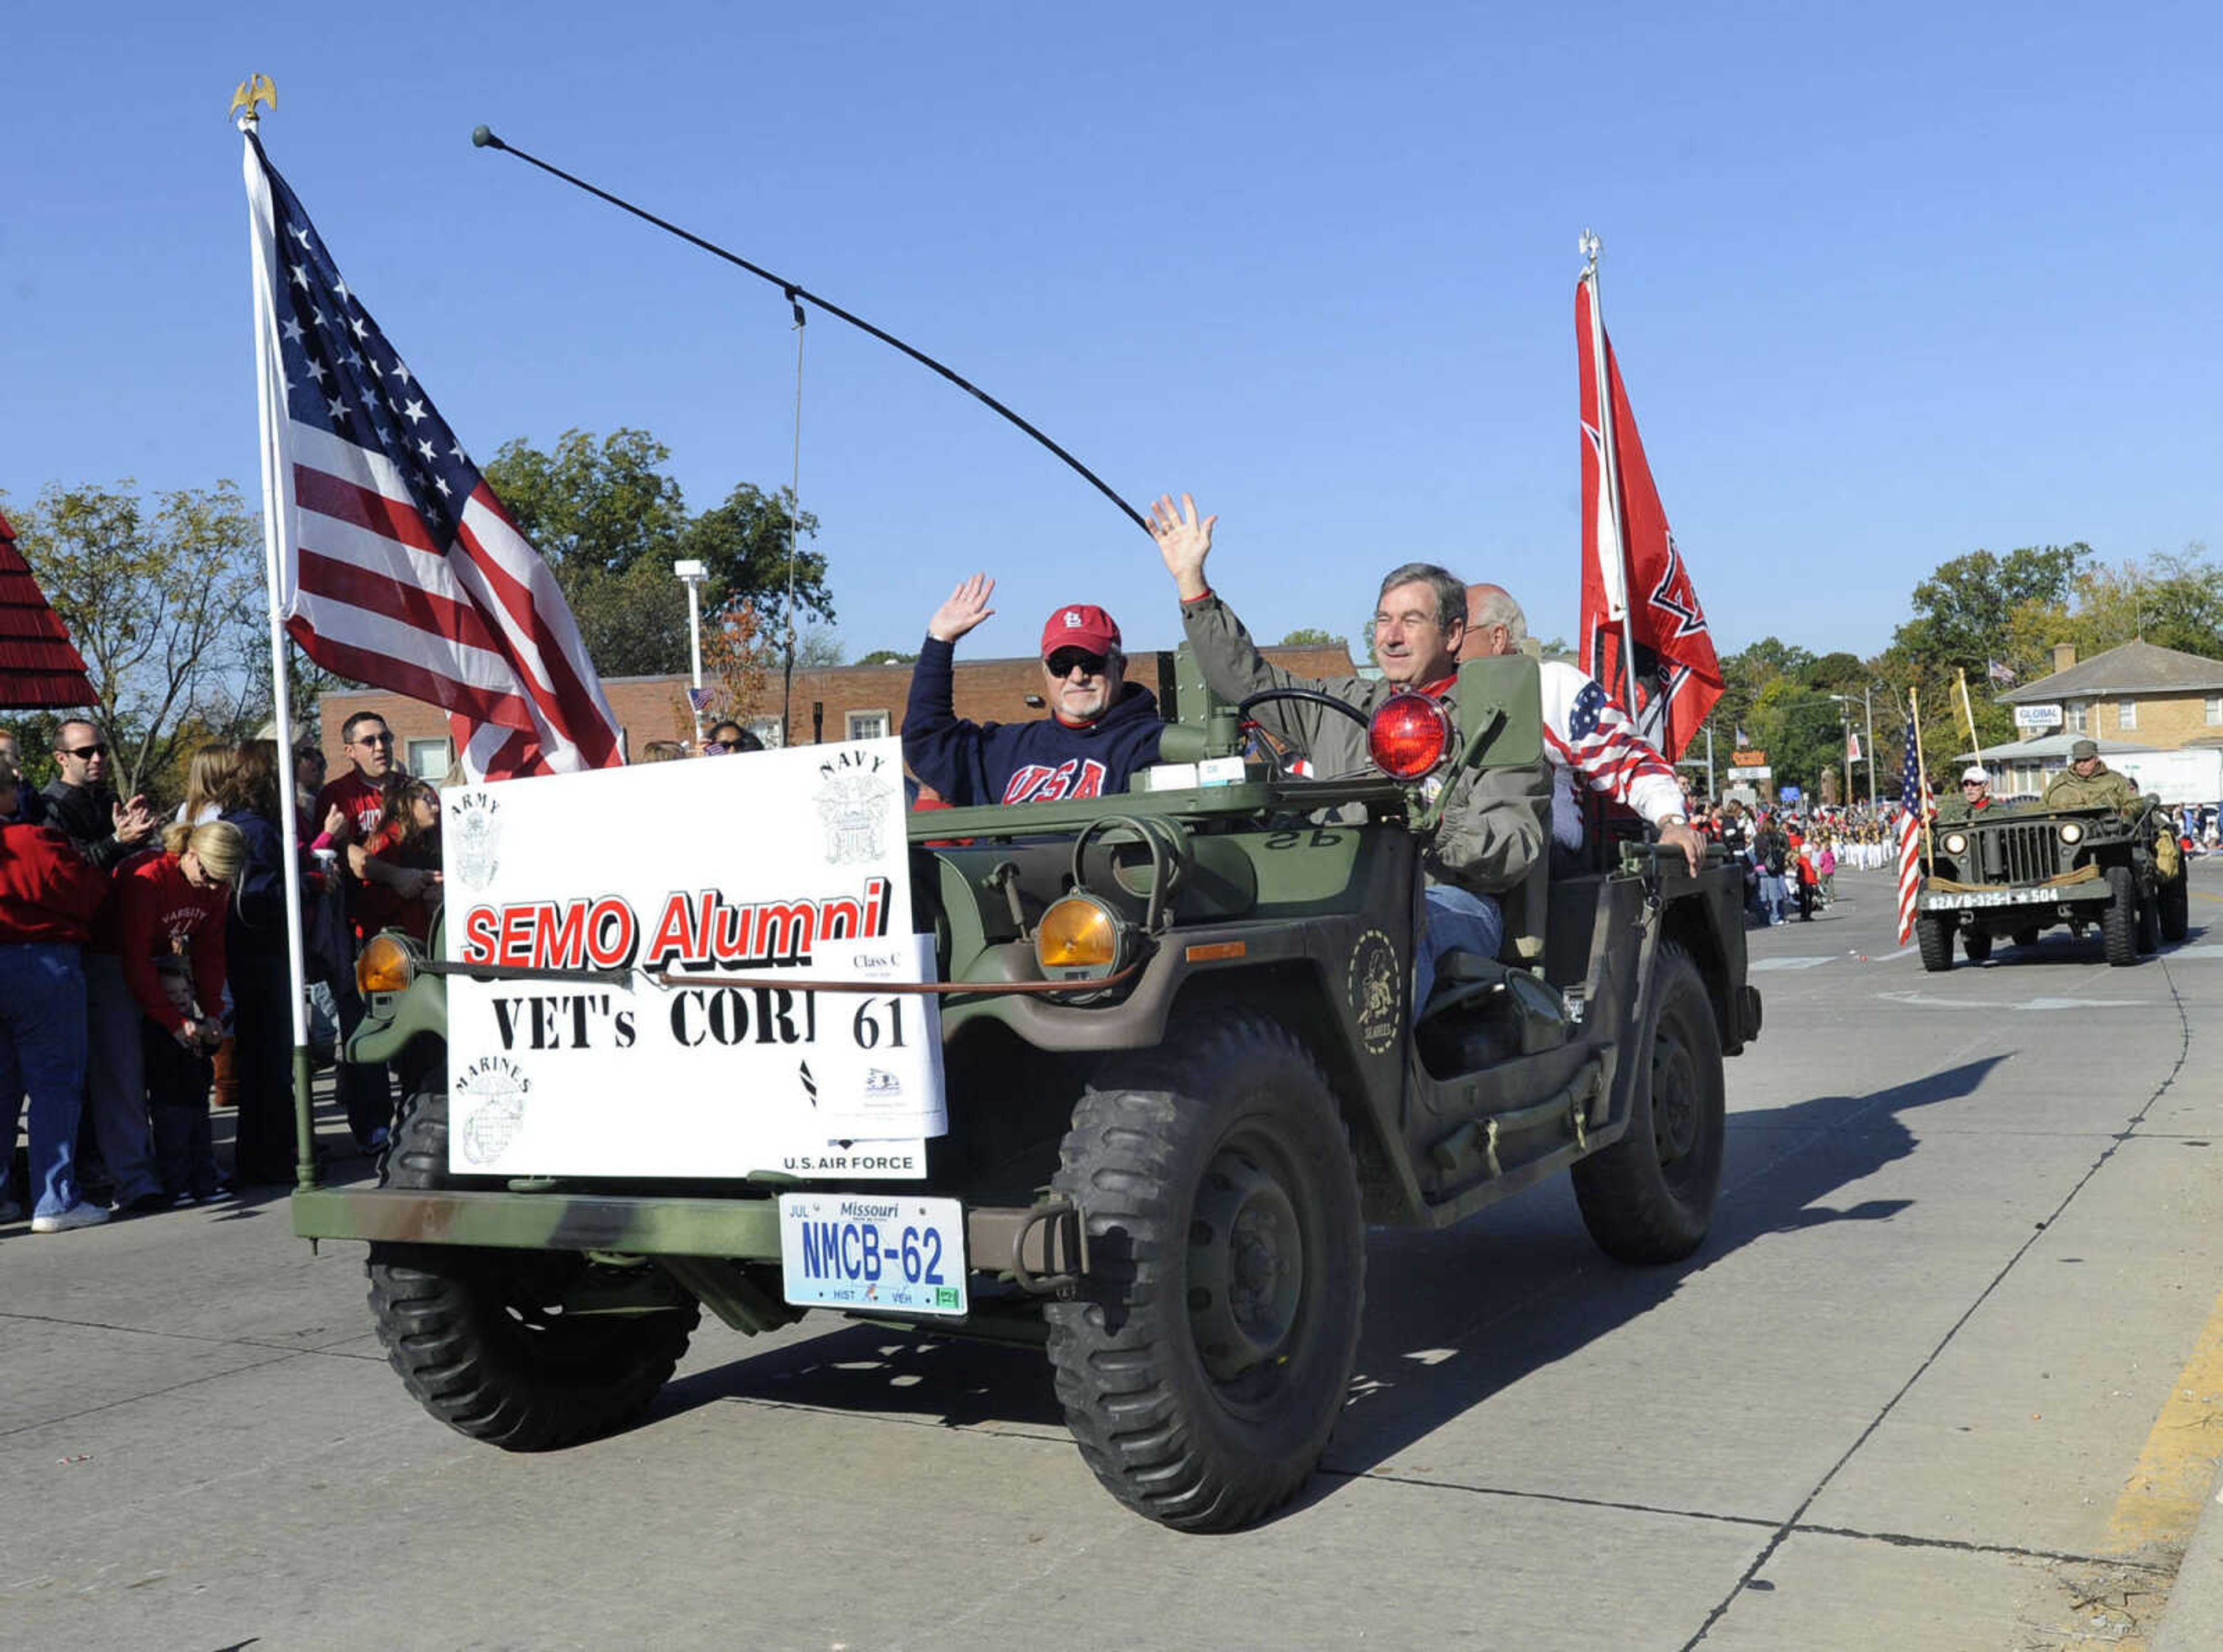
x: 2018, y: 872
x: 1183, y: 1076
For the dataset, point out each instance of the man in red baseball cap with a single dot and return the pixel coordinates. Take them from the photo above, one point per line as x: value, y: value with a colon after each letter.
x: 1100, y: 729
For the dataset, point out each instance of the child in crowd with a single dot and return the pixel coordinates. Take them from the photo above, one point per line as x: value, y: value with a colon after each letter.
x: 180, y: 1071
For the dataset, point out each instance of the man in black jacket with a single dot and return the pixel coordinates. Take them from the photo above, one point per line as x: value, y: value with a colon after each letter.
x: 85, y: 807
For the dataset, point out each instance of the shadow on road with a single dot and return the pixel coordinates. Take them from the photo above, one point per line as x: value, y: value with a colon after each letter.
x: 1451, y: 1318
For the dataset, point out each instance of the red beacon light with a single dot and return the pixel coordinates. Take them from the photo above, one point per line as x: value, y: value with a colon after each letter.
x: 1410, y: 735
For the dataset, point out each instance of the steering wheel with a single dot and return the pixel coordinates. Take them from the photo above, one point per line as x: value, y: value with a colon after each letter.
x: 1282, y: 759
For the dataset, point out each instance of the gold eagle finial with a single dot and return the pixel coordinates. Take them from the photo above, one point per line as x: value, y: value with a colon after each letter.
x: 255, y: 89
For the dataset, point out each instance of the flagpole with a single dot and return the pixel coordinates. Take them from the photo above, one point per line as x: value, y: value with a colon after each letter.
x: 1921, y: 769
x: 1975, y: 741
x: 1609, y: 452
x: 269, y: 409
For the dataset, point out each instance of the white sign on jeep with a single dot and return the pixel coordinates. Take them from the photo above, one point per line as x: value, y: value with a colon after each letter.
x: 784, y: 866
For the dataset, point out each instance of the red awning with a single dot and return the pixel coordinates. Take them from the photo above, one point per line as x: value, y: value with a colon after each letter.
x: 39, y: 664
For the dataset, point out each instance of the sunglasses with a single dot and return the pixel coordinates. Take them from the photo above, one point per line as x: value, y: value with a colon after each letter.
x: 1972, y: 782
x: 1061, y: 663
x: 97, y: 749
x: 729, y: 745
x: 373, y: 740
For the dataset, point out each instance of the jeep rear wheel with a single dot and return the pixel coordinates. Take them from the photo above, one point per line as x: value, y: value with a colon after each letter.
x: 2026, y: 936
x: 1650, y: 1197
x: 2118, y: 924
x: 2175, y: 899
x: 1207, y: 1357
x: 2148, y: 921
x: 1978, y: 943
x: 482, y: 1339
x: 1934, y: 935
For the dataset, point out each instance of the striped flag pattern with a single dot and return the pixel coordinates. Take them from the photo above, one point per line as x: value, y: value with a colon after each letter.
x: 1911, y: 803
x: 1602, y: 745
x: 401, y: 567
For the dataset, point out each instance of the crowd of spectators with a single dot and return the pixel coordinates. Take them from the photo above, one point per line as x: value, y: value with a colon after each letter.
x: 144, y: 970
x: 1791, y: 858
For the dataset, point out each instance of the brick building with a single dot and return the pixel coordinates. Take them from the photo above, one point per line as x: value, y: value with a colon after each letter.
x: 832, y: 703
x: 2139, y: 693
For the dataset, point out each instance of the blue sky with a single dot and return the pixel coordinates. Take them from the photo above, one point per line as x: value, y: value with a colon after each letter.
x: 1886, y: 284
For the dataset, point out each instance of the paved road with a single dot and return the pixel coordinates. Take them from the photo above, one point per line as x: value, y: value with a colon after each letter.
x: 1945, y: 1377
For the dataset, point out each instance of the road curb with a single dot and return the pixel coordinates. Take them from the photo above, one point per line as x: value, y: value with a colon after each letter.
x: 2192, y: 1621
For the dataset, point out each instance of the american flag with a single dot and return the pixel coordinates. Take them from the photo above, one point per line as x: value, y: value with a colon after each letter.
x: 399, y: 566
x: 1602, y: 745
x: 1912, y: 806
x: 699, y: 699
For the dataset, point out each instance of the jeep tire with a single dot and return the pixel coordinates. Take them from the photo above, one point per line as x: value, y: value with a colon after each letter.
x: 2118, y: 924
x: 1650, y: 1197
x: 1978, y: 943
x: 1207, y: 1355
x: 2174, y: 900
x: 479, y: 1335
x: 1934, y: 935
x: 2026, y: 936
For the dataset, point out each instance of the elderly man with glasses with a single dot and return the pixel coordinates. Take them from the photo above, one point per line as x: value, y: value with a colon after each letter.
x: 1100, y: 729
x: 1975, y: 796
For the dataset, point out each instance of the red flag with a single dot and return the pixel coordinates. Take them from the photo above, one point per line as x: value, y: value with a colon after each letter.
x: 1678, y: 676
x: 399, y: 566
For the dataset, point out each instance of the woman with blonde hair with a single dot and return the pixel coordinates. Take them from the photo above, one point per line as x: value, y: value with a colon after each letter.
x: 171, y: 899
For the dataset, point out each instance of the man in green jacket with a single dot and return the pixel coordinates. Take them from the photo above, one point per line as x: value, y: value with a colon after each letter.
x: 2088, y: 783
x: 1498, y: 823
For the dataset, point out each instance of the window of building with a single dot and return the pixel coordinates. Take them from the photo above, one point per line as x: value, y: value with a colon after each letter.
x: 2077, y: 719
x: 868, y: 725
x: 430, y: 759
x: 768, y: 730
x: 2126, y: 714
x: 2214, y: 710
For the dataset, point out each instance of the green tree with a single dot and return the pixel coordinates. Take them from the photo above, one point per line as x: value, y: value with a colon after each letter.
x: 1964, y: 611
x: 888, y: 656
x: 164, y: 598
x: 1314, y: 637
x: 611, y: 522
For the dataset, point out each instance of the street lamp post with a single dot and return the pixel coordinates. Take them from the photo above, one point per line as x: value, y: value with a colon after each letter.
x: 692, y: 574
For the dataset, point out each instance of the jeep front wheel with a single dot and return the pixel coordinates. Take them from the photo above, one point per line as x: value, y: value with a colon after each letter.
x: 1650, y: 1197
x: 2118, y: 924
x: 1208, y: 1354
x: 1934, y: 935
x: 483, y: 1338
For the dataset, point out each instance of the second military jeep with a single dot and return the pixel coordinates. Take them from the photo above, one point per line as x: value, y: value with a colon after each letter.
x: 1183, y: 1076
x: 2018, y: 872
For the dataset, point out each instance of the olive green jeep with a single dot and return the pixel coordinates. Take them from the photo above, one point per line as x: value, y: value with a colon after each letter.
x: 2018, y: 872
x: 1183, y: 1076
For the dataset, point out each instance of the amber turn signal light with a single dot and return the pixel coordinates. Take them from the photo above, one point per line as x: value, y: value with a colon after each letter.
x: 1079, y: 933
x: 385, y: 966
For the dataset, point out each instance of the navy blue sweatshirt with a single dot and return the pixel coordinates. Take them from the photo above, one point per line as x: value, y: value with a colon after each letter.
x: 1038, y: 762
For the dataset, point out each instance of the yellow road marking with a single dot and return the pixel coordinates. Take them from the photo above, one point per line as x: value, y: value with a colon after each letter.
x: 2162, y: 1500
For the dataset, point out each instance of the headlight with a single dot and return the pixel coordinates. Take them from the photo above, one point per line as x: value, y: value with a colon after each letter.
x: 387, y: 966
x: 2071, y: 832
x: 1956, y: 843
x: 1410, y: 736
x: 1081, y: 938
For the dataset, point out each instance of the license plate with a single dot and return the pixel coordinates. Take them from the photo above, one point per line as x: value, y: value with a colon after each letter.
x: 1978, y: 898
x: 874, y: 1252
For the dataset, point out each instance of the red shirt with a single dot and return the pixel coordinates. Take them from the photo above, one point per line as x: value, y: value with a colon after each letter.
x: 48, y: 892
x: 156, y: 911
x: 370, y: 906
x: 357, y: 796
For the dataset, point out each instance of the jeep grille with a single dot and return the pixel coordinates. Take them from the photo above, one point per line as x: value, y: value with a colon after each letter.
x: 2027, y: 854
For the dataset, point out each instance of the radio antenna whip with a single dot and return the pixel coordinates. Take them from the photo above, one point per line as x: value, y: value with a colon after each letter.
x: 484, y: 138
